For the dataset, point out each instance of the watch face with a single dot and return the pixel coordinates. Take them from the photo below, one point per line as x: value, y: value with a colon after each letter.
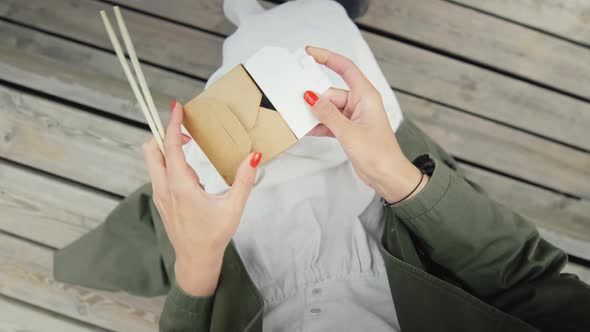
x: 425, y: 164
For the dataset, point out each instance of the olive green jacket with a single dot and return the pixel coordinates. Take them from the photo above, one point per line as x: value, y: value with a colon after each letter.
x: 455, y: 260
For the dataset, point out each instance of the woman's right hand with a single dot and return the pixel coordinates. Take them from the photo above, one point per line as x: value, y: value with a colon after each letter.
x: 357, y: 118
x: 199, y: 225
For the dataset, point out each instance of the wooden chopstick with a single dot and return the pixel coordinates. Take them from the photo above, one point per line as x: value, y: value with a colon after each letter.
x: 150, y: 114
x: 135, y: 62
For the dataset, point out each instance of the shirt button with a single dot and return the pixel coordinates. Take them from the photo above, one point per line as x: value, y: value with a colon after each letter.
x: 315, y: 310
x: 316, y: 291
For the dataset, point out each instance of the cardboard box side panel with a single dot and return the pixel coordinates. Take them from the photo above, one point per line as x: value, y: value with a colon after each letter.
x: 237, y: 90
x: 203, y: 121
x: 271, y: 135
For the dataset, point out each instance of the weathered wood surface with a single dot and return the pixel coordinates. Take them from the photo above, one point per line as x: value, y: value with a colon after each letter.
x: 567, y: 18
x: 501, y: 148
x: 206, y: 14
x: 26, y: 275
x: 579, y: 270
x: 562, y: 221
x: 65, y: 141
x: 19, y: 317
x: 486, y: 39
x: 155, y: 40
x: 46, y: 210
x: 407, y: 68
x: 556, y: 166
x: 82, y: 74
x: 550, y: 172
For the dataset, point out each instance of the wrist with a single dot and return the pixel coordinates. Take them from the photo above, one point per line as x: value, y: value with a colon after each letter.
x: 400, y: 181
x: 198, y: 276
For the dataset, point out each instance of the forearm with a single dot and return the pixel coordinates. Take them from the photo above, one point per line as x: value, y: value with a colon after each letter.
x: 198, y: 277
x: 399, y: 180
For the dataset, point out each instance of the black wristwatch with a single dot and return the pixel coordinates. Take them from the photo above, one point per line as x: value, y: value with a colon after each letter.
x: 426, y: 165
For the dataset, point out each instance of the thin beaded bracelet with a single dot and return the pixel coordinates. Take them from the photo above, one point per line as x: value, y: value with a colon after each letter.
x: 426, y: 166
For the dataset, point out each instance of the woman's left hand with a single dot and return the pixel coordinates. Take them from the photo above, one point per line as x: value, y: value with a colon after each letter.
x: 199, y: 225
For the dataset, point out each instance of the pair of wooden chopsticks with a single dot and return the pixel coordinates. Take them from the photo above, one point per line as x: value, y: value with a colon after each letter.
x: 148, y: 108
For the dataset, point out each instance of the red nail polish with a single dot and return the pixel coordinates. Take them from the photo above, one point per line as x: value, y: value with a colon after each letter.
x: 185, y: 138
x: 310, y: 98
x: 173, y: 105
x: 255, y: 159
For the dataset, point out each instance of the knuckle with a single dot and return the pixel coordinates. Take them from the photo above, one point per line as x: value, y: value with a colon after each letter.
x: 329, y: 115
x: 348, y: 61
x: 322, y: 105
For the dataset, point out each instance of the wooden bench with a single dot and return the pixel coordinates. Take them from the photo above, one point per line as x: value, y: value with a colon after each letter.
x: 506, y: 94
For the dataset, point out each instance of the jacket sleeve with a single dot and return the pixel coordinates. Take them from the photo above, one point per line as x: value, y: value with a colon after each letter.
x: 486, y: 246
x: 183, y: 312
x: 493, y: 253
x: 236, y: 305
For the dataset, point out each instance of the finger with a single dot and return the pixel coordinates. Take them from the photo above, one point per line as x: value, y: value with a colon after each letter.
x: 320, y: 131
x: 155, y: 164
x: 178, y: 170
x: 338, y: 97
x: 245, y: 178
x: 327, y: 113
x: 343, y: 66
x: 185, y: 139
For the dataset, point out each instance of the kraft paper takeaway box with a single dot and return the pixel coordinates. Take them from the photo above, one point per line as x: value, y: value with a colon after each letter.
x: 257, y: 106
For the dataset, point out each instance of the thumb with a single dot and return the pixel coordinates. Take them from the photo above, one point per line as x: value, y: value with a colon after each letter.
x: 326, y: 113
x: 245, y: 178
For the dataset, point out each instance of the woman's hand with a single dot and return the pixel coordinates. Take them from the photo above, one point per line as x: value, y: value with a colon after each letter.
x: 199, y: 225
x: 358, y: 120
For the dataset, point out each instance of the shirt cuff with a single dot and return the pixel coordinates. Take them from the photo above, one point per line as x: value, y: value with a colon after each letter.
x: 195, y: 305
x: 429, y: 196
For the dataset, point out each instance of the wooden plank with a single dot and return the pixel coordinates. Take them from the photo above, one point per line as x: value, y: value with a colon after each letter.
x: 566, y: 18
x: 18, y: 317
x: 483, y: 93
x: 26, y: 275
x: 581, y: 271
x: 185, y: 49
x: 82, y: 74
x: 501, y: 148
x: 407, y: 68
x: 561, y: 220
x: 58, y: 139
x: 207, y: 14
x: 46, y: 210
x: 511, y: 47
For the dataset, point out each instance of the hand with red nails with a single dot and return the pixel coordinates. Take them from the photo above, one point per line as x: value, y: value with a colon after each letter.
x: 357, y: 118
x: 199, y: 225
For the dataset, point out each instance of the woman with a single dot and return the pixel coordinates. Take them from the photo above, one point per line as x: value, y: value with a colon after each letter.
x: 313, y: 247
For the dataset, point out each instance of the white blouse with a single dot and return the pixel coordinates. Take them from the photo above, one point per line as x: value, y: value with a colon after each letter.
x: 309, y: 237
